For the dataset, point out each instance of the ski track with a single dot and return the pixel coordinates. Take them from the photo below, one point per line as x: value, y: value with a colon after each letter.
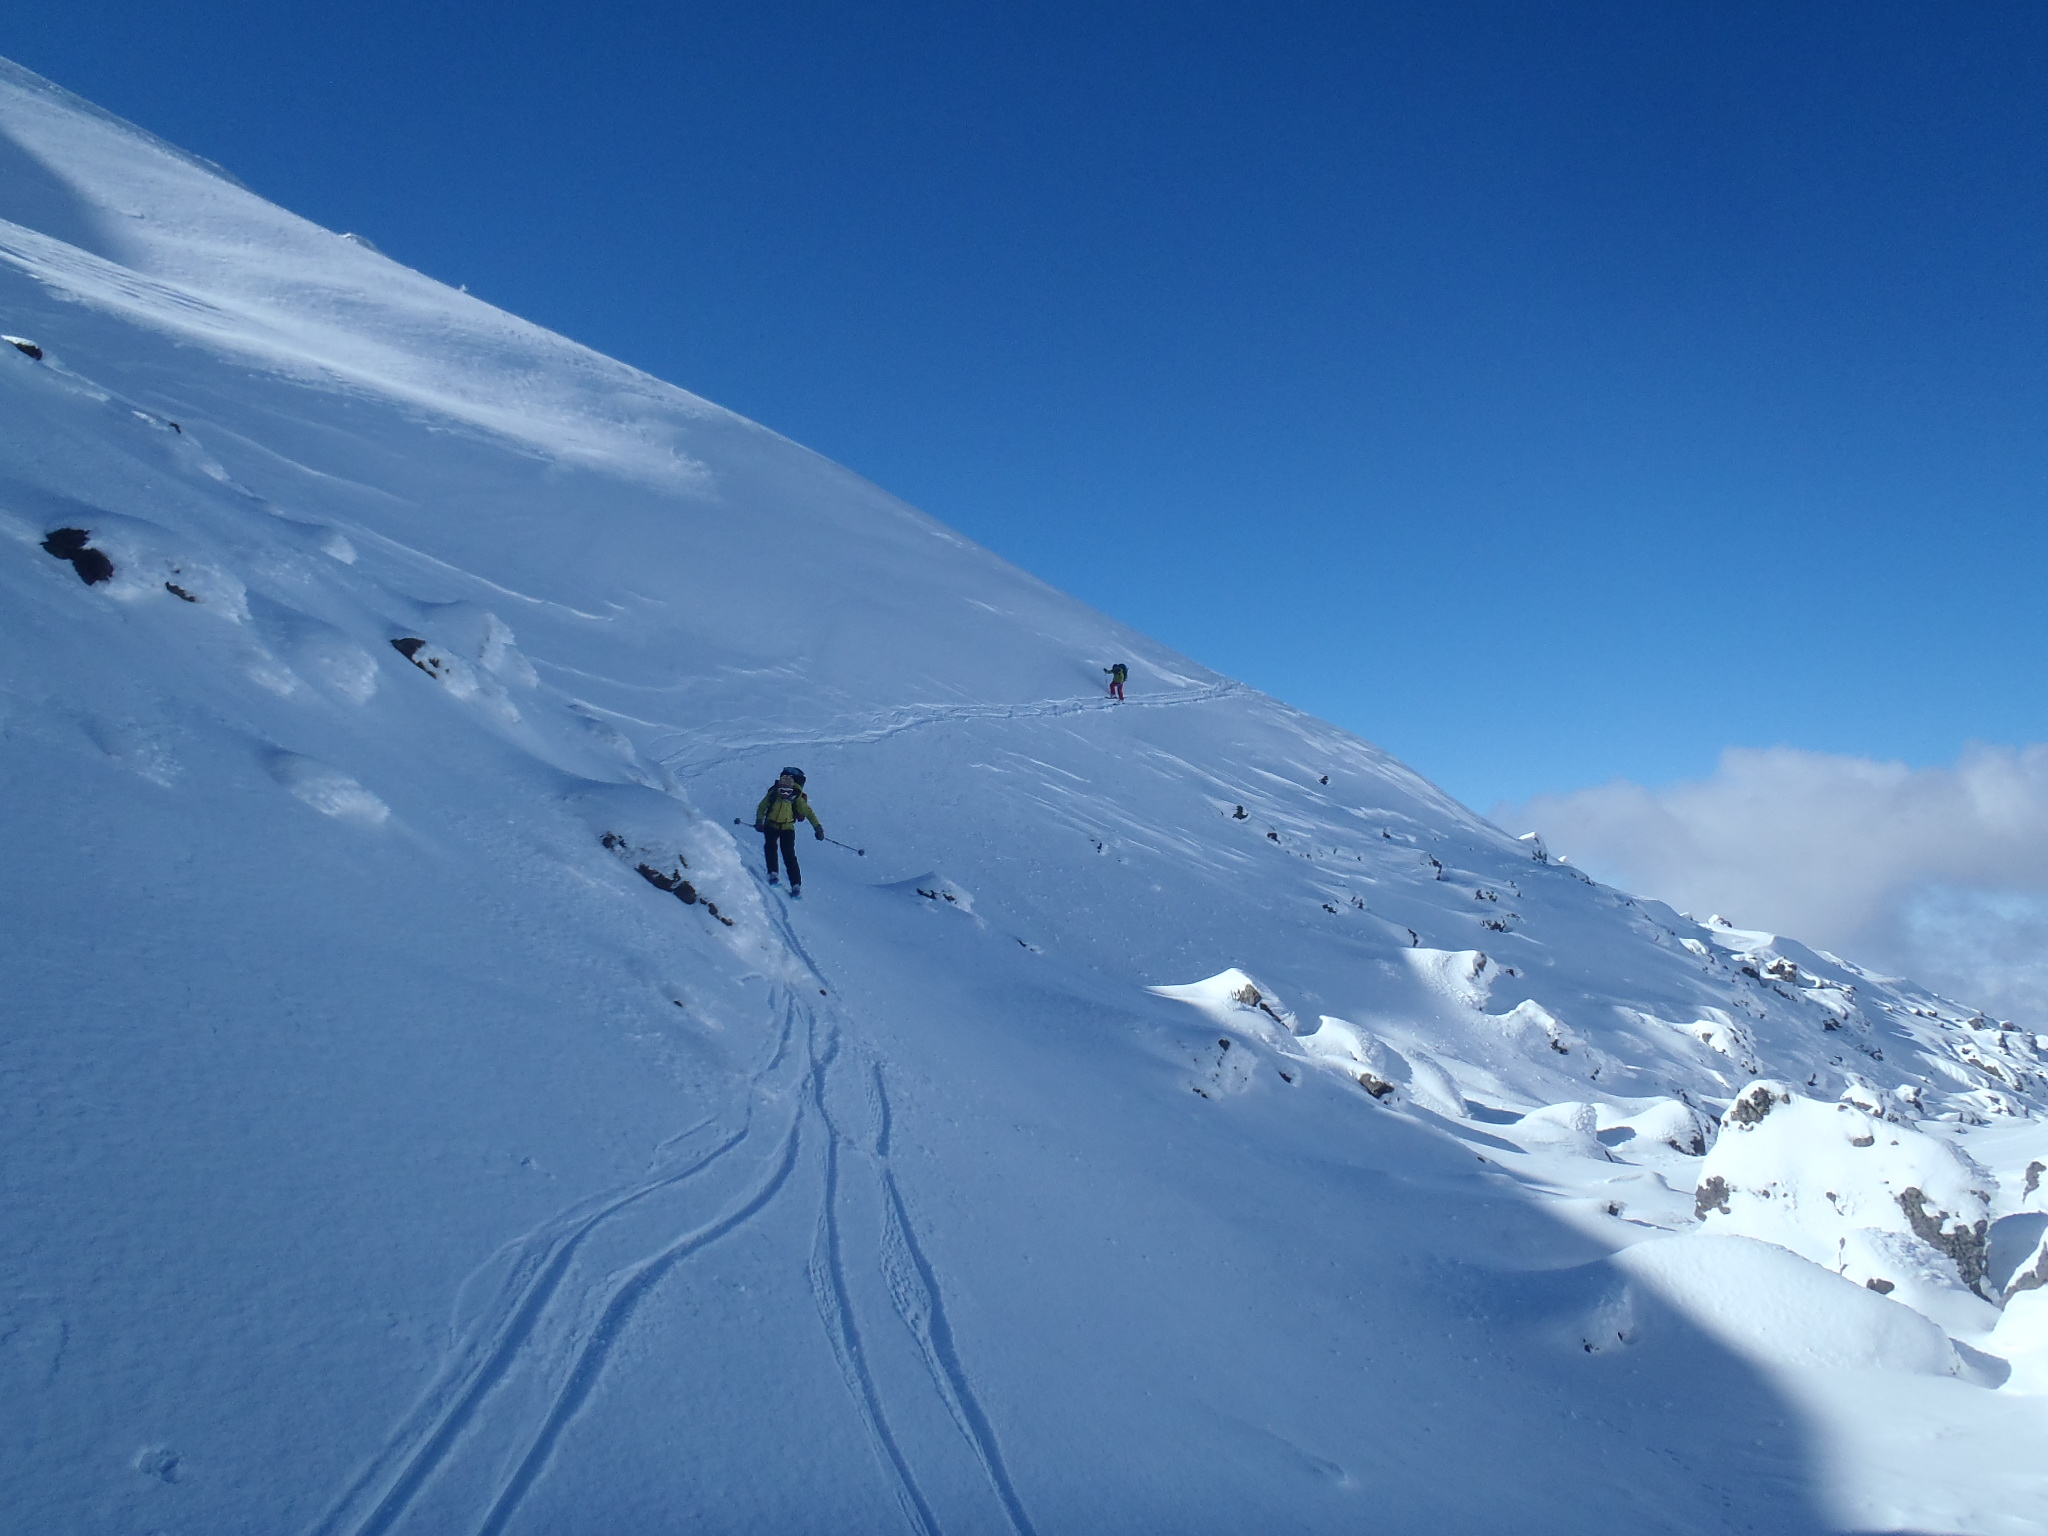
x: 515, y: 1330
x: 546, y: 1256
x: 914, y: 1288
x: 915, y: 717
x: 908, y: 1275
x: 835, y: 1309
x: 639, y: 1279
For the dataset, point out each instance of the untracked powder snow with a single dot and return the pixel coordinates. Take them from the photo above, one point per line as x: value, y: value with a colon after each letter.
x: 418, y: 1113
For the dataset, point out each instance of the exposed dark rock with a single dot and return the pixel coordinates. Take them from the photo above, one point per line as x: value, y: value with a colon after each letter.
x: 75, y: 545
x: 1712, y: 1195
x: 1251, y: 997
x: 2034, y: 1171
x: 177, y: 591
x: 1882, y: 1287
x: 1964, y: 1244
x: 411, y: 648
x: 670, y: 881
x: 1378, y: 1087
x: 1753, y: 1103
x: 667, y: 882
x: 23, y: 345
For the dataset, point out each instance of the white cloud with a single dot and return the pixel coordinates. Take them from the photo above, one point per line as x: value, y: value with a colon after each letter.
x: 1940, y: 874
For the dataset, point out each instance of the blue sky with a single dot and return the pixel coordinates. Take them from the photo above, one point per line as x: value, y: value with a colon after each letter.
x: 1548, y: 393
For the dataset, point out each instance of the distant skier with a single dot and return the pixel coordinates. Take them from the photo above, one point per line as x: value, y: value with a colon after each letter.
x: 1117, y: 675
x: 775, y: 818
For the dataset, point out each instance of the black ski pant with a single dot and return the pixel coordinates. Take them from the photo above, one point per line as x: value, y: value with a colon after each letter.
x: 785, y: 838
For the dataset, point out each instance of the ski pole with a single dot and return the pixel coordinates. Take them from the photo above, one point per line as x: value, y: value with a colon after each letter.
x: 832, y: 840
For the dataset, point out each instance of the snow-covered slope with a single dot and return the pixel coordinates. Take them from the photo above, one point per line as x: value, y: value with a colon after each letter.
x: 1180, y: 1117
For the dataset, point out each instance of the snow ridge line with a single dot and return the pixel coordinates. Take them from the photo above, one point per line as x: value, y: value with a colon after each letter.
x: 914, y: 717
x: 417, y: 1449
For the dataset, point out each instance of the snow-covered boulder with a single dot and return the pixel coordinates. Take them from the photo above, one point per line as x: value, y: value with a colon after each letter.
x: 1569, y: 1128
x: 1876, y: 1201
x: 1389, y: 1075
x: 1234, y: 1000
x: 1660, y: 1122
x: 1783, y: 1310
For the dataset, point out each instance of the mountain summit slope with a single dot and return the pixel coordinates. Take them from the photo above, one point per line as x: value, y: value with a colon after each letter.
x: 420, y: 1115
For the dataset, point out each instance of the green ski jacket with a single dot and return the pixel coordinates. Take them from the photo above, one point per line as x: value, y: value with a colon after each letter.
x: 783, y: 815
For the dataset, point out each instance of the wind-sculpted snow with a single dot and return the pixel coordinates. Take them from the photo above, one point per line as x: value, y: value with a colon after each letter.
x: 420, y: 1115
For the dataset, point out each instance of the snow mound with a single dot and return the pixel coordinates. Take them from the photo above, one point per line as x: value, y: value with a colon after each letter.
x: 1784, y: 1311
x: 1391, y: 1076
x: 327, y: 790
x: 2021, y: 1338
x: 1876, y: 1201
x: 1233, y: 1000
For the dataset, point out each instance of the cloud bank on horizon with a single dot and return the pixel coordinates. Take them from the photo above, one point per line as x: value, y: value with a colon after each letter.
x: 1940, y: 873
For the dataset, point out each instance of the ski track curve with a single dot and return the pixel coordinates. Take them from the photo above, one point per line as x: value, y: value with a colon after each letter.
x: 509, y: 1327
x: 638, y: 1280
x: 527, y: 1325
x: 917, y: 716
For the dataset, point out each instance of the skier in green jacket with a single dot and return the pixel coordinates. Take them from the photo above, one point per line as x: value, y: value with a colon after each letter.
x: 775, y: 818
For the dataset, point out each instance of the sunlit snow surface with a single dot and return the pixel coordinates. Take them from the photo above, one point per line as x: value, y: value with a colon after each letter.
x: 1180, y: 1118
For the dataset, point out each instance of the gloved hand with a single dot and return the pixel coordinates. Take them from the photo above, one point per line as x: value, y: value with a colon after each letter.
x: 819, y: 832
x: 760, y: 826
